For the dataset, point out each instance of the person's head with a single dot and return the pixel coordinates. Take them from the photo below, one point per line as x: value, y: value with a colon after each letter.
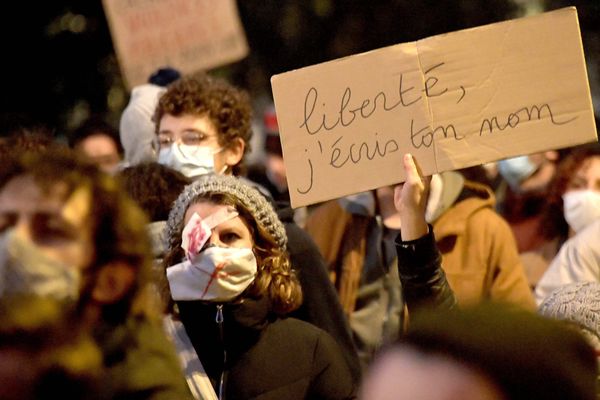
x: 154, y: 187
x: 69, y: 231
x: 203, y: 124
x: 528, y: 173
x: 46, y: 355
x: 25, y: 140
x: 573, y: 199
x: 220, y: 213
x: 579, y: 304
x: 99, y: 142
x: 485, y: 352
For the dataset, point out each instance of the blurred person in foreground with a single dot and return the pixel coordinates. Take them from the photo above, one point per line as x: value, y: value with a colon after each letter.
x: 485, y: 352
x: 69, y: 232
x: 45, y: 355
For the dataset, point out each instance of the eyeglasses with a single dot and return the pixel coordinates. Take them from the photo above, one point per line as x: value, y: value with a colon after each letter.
x: 192, y: 138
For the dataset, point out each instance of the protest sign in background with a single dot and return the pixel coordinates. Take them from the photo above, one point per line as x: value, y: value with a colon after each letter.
x: 188, y: 35
x: 453, y: 100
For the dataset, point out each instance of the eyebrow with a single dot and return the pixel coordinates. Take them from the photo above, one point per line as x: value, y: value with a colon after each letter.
x: 193, y: 130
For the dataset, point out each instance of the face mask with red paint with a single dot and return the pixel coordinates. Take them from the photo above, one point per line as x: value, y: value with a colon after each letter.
x: 210, y: 273
x: 217, y: 274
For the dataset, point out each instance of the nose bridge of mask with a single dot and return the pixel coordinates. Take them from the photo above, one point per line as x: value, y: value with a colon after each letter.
x: 194, y: 150
x: 198, y: 230
x: 190, y: 160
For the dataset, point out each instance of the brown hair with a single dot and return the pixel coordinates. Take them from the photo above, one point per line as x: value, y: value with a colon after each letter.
x: 227, y: 107
x: 553, y: 223
x: 275, y: 279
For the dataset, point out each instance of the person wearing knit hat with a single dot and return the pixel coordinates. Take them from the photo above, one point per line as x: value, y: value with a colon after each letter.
x: 231, y: 285
x: 579, y: 304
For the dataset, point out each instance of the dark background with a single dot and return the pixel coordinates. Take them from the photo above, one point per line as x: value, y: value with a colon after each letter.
x: 59, y: 67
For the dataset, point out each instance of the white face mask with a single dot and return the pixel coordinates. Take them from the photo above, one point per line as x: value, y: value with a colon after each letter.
x: 25, y: 269
x: 191, y: 161
x: 581, y: 207
x: 216, y: 274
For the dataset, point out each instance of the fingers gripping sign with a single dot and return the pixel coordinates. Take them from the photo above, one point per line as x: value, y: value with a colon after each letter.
x: 410, y: 199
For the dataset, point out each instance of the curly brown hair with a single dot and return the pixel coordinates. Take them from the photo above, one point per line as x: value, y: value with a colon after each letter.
x: 553, y: 223
x: 227, y: 107
x: 275, y: 278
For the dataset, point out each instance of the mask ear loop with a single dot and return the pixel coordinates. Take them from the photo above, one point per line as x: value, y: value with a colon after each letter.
x: 198, y: 230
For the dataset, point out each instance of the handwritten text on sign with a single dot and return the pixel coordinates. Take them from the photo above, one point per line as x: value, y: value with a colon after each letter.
x: 454, y: 100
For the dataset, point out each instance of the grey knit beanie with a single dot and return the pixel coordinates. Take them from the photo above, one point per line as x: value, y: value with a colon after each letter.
x: 578, y: 303
x: 252, y: 200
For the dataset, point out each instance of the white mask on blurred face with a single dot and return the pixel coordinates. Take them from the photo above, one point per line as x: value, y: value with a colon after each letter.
x: 191, y: 161
x: 26, y: 269
x: 581, y: 207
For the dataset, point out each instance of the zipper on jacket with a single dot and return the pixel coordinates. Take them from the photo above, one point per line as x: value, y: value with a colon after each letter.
x: 219, y: 321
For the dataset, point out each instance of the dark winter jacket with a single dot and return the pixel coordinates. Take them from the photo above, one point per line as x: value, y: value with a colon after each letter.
x: 142, y: 364
x: 423, y: 280
x: 321, y: 305
x: 252, y: 354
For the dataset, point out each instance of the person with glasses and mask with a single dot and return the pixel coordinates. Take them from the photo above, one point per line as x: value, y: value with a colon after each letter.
x: 203, y: 126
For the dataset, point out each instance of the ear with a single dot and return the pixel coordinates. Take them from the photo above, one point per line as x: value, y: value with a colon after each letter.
x: 113, y: 282
x: 234, y: 152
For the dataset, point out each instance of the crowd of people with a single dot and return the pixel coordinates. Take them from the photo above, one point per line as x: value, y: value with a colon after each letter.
x: 151, y: 262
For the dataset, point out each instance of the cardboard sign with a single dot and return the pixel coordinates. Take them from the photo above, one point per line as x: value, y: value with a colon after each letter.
x: 453, y: 101
x: 188, y: 35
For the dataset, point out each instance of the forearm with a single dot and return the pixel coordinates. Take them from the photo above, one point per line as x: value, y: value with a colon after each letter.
x: 423, y: 280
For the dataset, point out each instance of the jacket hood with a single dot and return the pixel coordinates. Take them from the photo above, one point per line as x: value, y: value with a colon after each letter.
x: 473, y: 198
x: 445, y: 188
x: 136, y: 127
